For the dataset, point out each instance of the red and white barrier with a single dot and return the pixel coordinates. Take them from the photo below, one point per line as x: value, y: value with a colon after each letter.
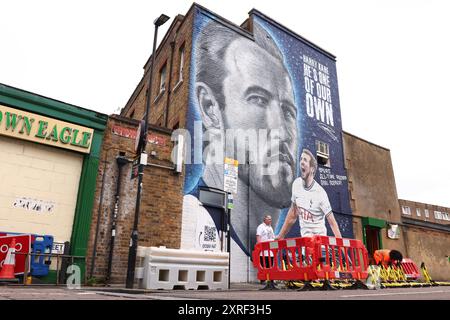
x: 311, y: 258
x: 410, y: 269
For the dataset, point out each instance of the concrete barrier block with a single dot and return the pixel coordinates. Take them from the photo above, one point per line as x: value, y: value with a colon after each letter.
x: 169, y: 269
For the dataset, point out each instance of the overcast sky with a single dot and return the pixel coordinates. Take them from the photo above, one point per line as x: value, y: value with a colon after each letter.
x: 393, y: 63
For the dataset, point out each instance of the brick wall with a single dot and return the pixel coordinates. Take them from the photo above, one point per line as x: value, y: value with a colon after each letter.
x: 162, y: 198
x: 170, y: 105
x: 373, y: 194
x: 430, y: 247
x: 161, y: 202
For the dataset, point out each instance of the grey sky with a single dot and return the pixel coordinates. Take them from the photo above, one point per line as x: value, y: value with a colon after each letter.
x: 392, y: 60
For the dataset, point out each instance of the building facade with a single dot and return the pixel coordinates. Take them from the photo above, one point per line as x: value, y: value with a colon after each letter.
x: 373, y: 194
x: 258, y: 98
x: 251, y: 97
x: 428, y: 236
x: 113, y: 213
x: 382, y: 221
x: 236, y: 92
x: 49, y: 159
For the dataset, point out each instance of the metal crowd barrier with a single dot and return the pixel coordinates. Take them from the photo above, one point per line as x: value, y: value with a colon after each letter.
x: 403, y: 275
x: 60, y: 277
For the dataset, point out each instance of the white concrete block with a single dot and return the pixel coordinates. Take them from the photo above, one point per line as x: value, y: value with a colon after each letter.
x: 169, y: 269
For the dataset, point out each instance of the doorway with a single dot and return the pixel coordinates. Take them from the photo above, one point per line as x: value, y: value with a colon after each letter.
x: 372, y: 239
x: 372, y: 234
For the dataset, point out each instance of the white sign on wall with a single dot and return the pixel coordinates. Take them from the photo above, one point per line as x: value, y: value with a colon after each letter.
x: 58, y: 248
x: 393, y: 231
x: 230, y: 175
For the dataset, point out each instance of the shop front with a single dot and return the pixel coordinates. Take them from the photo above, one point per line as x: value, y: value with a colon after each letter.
x: 49, y: 157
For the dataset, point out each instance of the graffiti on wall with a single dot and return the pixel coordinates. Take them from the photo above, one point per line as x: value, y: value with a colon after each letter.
x: 270, y: 101
x: 39, y: 206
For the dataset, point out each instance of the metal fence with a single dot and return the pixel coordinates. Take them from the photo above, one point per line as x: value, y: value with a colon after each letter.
x: 63, y: 261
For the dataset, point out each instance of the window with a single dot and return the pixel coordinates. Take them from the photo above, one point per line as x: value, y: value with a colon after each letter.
x: 323, y: 153
x: 181, y: 65
x: 162, y: 77
x: 445, y: 216
x: 418, y: 212
x: 437, y: 215
x: 406, y: 210
x: 427, y: 213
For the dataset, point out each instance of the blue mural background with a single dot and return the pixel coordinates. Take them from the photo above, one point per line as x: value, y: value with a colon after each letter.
x: 309, y: 128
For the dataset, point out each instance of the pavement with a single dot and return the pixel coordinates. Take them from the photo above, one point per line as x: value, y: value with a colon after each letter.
x: 242, y: 292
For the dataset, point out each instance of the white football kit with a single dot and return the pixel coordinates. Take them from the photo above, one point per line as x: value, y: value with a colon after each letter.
x: 313, y: 207
x: 266, y: 234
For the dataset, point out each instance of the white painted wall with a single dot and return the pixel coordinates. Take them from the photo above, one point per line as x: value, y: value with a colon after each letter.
x: 44, y: 174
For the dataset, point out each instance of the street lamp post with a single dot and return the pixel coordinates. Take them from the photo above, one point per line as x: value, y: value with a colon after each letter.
x: 142, y: 162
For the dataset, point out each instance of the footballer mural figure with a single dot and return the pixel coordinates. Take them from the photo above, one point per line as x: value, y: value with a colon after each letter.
x: 247, y: 100
x: 310, y: 203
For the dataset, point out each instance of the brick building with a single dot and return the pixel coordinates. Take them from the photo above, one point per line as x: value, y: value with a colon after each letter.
x: 161, y: 202
x: 427, y: 234
x: 373, y: 193
x: 49, y: 152
x: 297, y: 94
x: 382, y: 220
x: 114, y: 208
x: 212, y: 77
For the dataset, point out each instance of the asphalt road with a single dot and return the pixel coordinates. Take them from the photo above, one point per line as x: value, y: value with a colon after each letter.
x: 237, y: 292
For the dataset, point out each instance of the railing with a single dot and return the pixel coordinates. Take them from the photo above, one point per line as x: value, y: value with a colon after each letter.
x: 60, y: 280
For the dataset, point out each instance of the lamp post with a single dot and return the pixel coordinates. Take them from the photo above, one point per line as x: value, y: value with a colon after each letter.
x: 142, y: 162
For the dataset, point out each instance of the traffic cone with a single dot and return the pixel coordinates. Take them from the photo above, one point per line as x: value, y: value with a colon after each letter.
x: 7, y: 272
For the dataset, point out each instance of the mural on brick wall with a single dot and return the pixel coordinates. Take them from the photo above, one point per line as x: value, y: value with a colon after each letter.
x: 271, y: 102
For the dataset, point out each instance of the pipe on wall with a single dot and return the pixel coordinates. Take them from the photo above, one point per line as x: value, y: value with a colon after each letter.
x: 121, y: 161
x: 169, y: 91
x: 94, y: 251
x: 97, y: 227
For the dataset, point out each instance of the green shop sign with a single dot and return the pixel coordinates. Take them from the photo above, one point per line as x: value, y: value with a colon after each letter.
x: 28, y: 126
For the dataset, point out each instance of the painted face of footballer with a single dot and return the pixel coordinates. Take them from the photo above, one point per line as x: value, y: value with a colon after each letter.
x: 305, y: 166
x: 259, y: 95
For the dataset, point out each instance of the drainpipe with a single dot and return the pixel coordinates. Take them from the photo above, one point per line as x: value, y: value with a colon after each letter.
x: 121, y: 161
x: 94, y: 252
x: 169, y: 89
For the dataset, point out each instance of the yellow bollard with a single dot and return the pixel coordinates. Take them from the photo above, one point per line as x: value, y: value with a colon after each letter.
x: 425, y: 273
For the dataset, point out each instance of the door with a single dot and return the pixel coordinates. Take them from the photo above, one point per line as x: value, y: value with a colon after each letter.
x: 372, y: 240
